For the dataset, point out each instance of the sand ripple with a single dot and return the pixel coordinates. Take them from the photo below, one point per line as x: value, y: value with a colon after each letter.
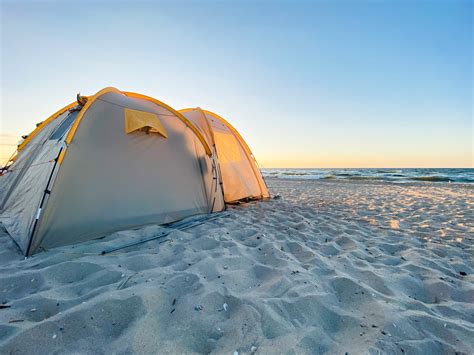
x: 330, y: 267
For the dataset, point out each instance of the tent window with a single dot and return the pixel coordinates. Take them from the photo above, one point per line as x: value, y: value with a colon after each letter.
x: 64, y: 126
x: 143, y: 121
x: 229, y: 149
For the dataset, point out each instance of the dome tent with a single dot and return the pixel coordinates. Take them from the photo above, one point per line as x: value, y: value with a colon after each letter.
x: 111, y: 161
x: 241, y: 177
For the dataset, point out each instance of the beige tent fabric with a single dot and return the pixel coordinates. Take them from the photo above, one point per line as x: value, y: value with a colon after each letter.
x: 240, y: 175
x: 110, y: 180
x: 25, y: 159
x: 199, y: 119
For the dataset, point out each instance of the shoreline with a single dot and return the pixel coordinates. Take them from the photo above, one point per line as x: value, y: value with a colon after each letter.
x: 376, y: 181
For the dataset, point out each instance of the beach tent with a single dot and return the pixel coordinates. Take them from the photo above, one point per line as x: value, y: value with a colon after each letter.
x: 112, y: 161
x: 241, y: 176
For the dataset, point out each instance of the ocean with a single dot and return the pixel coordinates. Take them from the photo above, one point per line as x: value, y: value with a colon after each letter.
x: 379, y: 174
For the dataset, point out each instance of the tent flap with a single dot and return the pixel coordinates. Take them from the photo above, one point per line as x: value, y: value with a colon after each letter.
x: 140, y: 120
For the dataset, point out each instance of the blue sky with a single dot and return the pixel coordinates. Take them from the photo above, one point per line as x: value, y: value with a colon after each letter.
x: 308, y: 84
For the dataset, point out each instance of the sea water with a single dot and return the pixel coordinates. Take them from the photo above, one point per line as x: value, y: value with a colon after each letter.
x: 431, y: 175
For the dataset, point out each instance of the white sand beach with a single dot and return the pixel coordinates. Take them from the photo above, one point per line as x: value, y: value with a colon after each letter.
x: 330, y: 267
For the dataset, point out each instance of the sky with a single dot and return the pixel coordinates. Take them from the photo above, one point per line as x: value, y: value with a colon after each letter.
x: 306, y: 83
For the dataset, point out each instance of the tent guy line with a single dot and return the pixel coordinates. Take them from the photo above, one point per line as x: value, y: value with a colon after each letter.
x: 177, y: 226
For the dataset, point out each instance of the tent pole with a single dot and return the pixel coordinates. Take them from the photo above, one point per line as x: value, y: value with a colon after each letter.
x: 179, y: 225
x: 219, y: 175
x: 46, y: 192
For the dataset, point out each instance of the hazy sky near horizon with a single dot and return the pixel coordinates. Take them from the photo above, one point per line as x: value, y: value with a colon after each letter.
x: 307, y: 83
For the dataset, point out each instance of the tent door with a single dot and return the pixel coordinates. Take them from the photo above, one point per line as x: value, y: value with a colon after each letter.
x: 46, y: 192
x: 57, y: 134
x: 19, y: 174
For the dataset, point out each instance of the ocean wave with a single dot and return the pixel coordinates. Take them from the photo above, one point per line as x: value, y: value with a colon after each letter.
x: 388, y: 171
x: 295, y: 174
x: 367, y: 177
x: 442, y: 179
x: 430, y: 178
x: 346, y: 174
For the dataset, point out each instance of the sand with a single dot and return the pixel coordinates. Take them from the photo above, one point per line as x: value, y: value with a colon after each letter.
x: 330, y: 267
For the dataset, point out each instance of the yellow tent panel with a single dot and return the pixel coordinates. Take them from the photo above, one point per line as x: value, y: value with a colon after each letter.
x: 136, y: 120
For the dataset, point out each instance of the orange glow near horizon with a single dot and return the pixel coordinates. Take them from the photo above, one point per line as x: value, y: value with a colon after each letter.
x: 322, y: 159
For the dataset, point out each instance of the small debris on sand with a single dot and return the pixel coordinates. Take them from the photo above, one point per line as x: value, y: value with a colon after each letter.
x: 16, y: 320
